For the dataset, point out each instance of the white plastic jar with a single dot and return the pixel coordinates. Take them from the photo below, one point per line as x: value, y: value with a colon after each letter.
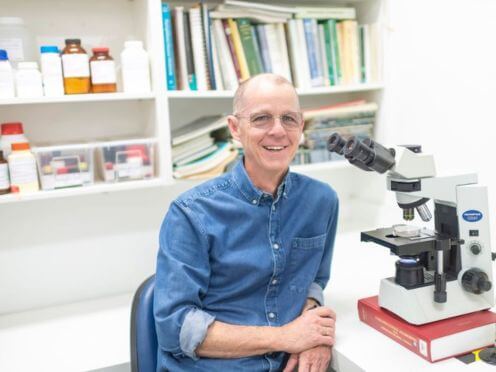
x: 28, y: 80
x: 135, y: 68
x: 17, y: 40
x: 51, y: 71
x: 7, y: 87
x: 11, y: 133
x: 22, y: 169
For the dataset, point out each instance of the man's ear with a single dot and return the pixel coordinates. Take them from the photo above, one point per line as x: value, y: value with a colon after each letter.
x: 233, y: 124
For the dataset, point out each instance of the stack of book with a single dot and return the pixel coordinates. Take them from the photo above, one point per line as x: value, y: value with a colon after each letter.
x: 353, y: 118
x: 201, y: 149
x: 215, y: 49
x: 433, y: 341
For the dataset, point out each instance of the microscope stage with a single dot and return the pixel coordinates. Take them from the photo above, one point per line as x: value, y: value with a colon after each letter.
x: 425, y: 242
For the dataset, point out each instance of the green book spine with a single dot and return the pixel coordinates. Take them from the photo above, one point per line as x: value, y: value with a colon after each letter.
x: 329, y: 55
x: 253, y: 60
x: 335, y: 50
x: 362, y: 55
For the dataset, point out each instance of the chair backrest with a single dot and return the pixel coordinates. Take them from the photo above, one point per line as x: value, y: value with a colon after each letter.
x: 143, y: 334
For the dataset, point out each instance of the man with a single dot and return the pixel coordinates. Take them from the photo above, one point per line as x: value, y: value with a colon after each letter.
x: 244, y: 258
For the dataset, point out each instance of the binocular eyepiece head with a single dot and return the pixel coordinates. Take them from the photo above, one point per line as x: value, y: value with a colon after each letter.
x: 365, y: 154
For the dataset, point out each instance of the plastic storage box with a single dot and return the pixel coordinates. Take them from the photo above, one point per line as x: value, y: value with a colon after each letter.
x: 65, y: 165
x: 126, y: 160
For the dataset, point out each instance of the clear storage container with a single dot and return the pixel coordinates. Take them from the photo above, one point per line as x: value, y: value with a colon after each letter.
x: 126, y: 160
x: 65, y: 165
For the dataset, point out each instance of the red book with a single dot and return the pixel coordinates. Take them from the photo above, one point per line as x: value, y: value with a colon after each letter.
x: 230, y: 42
x: 433, y: 341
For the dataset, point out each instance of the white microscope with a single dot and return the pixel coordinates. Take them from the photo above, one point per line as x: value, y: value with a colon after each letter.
x: 442, y: 273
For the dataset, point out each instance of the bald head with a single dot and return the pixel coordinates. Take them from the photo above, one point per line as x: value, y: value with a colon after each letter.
x: 253, y: 84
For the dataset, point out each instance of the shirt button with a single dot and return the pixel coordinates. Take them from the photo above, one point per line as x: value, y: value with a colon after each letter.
x: 272, y: 315
x: 274, y: 281
x: 276, y: 246
x: 254, y: 201
x: 273, y: 207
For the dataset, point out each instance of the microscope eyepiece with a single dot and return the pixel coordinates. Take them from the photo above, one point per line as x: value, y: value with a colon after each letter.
x: 336, y: 143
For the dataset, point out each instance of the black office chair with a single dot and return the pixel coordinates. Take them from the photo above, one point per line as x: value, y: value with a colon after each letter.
x: 143, y: 334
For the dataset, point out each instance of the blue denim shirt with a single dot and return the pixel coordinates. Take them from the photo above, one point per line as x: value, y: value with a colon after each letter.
x: 230, y: 252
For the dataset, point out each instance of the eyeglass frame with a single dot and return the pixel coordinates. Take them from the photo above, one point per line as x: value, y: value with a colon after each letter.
x: 249, y: 117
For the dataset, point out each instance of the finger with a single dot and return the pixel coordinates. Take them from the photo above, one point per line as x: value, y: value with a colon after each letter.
x: 327, y: 322
x: 292, y: 363
x: 324, y: 311
x: 304, y: 366
x: 326, y: 340
x: 327, y: 331
x: 315, y: 367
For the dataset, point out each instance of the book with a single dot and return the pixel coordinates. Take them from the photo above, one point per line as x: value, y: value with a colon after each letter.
x: 216, y: 170
x: 200, y: 153
x: 221, y: 12
x: 206, y: 163
x: 198, y: 44
x: 283, y: 49
x: 232, y: 49
x: 433, y: 341
x: 252, y: 5
x: 190, y: 65
x: 325, y: 12
x: 191, y: 146
x: 198, y: 127
x: 228, y: 71
x: 263, y: 47
x: 168, y: 47
x: 249, y: 48
x: 208, y: 45
x: 238, y: 49
x: 180, y: 48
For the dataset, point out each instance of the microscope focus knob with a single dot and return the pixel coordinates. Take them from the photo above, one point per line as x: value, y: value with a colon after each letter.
x: 476, y: 281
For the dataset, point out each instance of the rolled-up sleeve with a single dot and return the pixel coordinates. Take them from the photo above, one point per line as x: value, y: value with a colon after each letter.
x: 182, y: 279
x: 316, y: 289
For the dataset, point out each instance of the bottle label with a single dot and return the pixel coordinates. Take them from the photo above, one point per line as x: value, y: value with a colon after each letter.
x: 13, y: 46
x: 75, y: 65
x: 23, y: 171
x: 4, y: 177
x: 102, y: 72
x: 51, y: 65
x: 7, y: 84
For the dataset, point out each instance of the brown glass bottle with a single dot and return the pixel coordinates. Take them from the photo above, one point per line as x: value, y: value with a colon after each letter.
x: 76, y: 68
x: 102, y: 66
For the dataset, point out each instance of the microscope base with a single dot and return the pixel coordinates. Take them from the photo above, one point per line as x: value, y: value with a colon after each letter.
x: 417, y: 306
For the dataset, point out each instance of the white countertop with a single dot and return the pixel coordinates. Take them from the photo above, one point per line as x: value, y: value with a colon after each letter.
x: 95, y: 334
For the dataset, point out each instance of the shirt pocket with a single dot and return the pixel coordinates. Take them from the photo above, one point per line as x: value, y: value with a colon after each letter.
x: 304, y: 261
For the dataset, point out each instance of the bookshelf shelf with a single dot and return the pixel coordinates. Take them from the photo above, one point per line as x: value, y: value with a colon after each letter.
x: 97, y: 188
x: 101, y: 97
x: 184, y: 94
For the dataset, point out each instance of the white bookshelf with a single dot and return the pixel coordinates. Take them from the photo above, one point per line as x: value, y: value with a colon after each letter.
x: 102, y: 97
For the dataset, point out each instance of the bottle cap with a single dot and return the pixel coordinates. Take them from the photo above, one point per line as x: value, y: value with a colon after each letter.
x: 49, y: 49
x: 20, y: 146
x: 100, y: 50
x: 11, y: 128
x: 3, y: 55
x: 133, y: 44
x: 72, y: 41
x: 27, y: 66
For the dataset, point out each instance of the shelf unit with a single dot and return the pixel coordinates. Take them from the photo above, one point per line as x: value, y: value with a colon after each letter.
x: 81, y: 118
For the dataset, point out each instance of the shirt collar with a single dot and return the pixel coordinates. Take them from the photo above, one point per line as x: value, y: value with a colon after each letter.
x: 252, y: 193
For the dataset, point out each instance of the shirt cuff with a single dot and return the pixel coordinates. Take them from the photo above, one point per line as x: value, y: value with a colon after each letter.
x: 316, y: 292
x: 194, y: 331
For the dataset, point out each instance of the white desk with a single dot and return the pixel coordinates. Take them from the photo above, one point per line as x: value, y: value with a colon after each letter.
x: 95, y: 334
x: 356, y: 273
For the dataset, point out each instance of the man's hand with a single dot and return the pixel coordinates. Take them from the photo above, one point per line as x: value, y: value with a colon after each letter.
x: 314, y: 360
x: 312, y: 328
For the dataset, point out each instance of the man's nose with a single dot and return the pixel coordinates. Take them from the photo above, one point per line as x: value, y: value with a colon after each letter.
x: 277, y: 127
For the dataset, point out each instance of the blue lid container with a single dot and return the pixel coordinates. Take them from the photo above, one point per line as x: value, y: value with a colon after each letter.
x: 3, y: 55
x: 49, y: 49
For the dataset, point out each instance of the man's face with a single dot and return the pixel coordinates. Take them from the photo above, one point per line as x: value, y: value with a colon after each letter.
x: 269, y: 149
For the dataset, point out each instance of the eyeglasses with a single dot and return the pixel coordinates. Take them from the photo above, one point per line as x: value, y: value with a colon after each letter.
x: 290, y: 120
